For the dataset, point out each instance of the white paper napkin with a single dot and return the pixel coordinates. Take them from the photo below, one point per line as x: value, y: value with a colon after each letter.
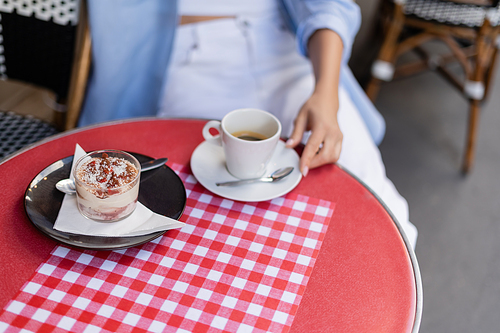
x: 141, y: 222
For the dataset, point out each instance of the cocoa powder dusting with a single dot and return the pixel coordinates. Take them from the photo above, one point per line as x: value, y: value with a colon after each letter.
x: 106, y: 173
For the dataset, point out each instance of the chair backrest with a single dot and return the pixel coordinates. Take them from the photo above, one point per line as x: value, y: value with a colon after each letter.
x: 489, y: 3
x: 483, y: 3
x: 41, y: 44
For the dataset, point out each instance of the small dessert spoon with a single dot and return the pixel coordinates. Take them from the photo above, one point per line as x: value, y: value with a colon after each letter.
x: 275, y: 176
x: 68, y: 185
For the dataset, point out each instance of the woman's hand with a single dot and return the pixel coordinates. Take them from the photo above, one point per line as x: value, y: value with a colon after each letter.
x: 319, y: 112
x: 318, y: 115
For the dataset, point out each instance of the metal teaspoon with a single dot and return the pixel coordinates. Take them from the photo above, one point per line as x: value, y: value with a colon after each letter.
x: 68, y: 185
x: 275, y: 176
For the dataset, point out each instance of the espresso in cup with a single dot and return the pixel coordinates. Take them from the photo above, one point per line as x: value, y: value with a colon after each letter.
x: 248, y: 137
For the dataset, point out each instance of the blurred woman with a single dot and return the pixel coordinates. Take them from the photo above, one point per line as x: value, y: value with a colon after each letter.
x: 200, y: 58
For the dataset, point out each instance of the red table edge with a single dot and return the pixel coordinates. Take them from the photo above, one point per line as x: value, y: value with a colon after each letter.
x: 409, y: 248
x: 411, y: 253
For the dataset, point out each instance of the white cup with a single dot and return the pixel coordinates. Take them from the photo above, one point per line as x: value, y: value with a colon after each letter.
x: 246, y: 158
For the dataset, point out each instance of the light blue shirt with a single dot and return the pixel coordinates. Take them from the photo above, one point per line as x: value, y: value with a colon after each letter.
x: 132, y: 40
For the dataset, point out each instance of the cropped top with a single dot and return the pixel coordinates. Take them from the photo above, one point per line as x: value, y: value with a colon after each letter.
x: 125, y: 83
x: 226, y: 7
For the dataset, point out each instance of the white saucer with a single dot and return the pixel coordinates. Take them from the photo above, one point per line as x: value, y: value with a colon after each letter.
x: 209, y: 166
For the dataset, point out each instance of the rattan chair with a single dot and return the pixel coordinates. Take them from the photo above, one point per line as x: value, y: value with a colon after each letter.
x: 469, y: 29
x: 18, y: 131
x: 46, y: 43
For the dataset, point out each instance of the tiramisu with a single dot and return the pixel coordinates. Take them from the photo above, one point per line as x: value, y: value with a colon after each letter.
x: 107, y: 185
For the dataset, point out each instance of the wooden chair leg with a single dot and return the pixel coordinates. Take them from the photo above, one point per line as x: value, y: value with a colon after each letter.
x: 373, y: 88
x: 470, y: 147
x: 482, y: 62
x: 80, y: 70
x: 490, y: 72
x: 387, y: 53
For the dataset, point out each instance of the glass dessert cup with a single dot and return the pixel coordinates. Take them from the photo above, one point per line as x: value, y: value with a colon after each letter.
x: 107, y: 185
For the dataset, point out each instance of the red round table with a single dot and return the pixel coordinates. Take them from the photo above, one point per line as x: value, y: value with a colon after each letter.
x: 366, y: 277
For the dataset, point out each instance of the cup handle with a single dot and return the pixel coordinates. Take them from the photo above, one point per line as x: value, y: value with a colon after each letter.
x: 215, y: 139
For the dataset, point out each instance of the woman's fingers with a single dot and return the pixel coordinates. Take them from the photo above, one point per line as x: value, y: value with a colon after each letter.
x: 329, y: 153
x: 323, y: 147
x: 300, y: 125
x: 318, y: 115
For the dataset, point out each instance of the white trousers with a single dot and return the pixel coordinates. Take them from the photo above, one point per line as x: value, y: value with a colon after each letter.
x: 221, y: 65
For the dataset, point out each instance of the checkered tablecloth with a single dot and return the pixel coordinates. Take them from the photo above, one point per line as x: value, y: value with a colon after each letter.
x: 235, y: 267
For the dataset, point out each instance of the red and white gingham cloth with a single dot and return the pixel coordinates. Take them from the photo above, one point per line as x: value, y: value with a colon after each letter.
x: 235, y: 267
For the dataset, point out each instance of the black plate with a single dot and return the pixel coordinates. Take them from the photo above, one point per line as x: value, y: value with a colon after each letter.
x: 161, y: 190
